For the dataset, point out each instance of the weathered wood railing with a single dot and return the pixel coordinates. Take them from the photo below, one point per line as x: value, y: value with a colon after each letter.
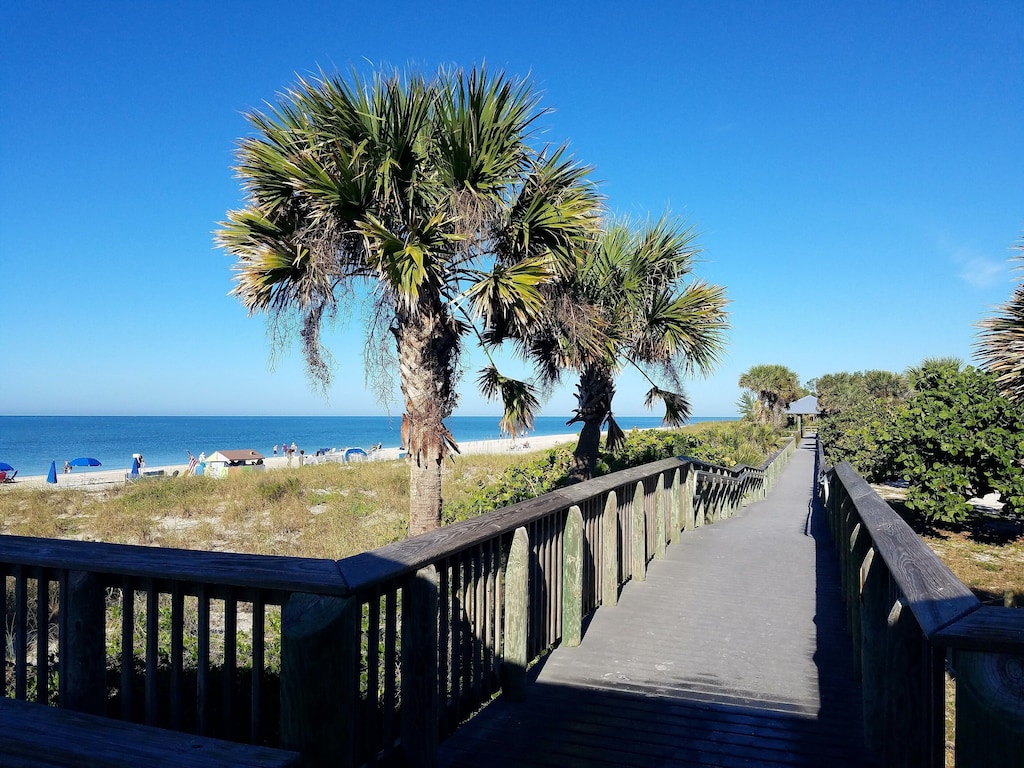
x: 372, y: 658
x: 911, y: 619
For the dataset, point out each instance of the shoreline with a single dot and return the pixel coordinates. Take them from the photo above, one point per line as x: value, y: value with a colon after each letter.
x: 105, y: 478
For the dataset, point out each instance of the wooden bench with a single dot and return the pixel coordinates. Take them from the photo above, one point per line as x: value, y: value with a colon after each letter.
x: 37, y: 736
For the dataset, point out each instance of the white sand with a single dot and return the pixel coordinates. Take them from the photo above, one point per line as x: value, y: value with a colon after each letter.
x: 107, y: 477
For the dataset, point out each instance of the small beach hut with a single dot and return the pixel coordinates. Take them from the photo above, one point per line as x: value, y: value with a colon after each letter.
x: 225, y: 463
x: 805, y: 406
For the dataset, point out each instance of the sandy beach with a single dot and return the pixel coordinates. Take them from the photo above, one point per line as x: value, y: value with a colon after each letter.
x: 100, y: 478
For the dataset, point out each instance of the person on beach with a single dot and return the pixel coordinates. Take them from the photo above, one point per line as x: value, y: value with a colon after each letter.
x: 275, y: 449
x: 67, y: 467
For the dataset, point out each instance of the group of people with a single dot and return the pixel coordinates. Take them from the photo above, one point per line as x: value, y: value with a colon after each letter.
x: 289, y: 451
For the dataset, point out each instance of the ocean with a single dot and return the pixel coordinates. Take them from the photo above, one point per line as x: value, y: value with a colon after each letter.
x: 30, y: 443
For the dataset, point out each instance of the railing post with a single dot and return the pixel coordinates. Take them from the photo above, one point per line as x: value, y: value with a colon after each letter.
x: 687, y: 501
x: 320, y: 678
x: 700, y: 502
x: 910, y: 735
x: 659, y: 519
x: 83, y: 649
x: 989, y: 703
x: 572, y: 578
x: 638, y: 529
x: 675, y: 523
x: 517, y: 613
x: 874, y: 610
x: 420, y: 708
x: 610, y: 551
x: 860, y: 543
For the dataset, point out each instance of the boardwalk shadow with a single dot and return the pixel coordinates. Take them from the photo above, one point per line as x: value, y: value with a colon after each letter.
x: 568, y: 726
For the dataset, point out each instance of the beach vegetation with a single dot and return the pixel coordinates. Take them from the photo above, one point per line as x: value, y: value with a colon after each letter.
x: 774, y: 387
x: 943, y: 428
x: 630, y: 300
x: 430, y: 196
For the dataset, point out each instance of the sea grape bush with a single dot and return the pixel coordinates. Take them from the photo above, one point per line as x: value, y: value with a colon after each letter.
x: 952, y: 437
x: 957, y: 438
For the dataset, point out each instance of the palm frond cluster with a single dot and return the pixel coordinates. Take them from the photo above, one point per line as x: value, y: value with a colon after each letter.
x: 433, y: 197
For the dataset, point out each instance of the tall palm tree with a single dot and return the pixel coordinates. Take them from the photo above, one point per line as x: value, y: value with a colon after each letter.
x: 1001, y: 343
x: 429, y: 195
x: 630, y: 301
x: 775, y: 386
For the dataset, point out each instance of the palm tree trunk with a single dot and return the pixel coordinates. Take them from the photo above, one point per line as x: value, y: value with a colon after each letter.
x: 594, y: 395
x: 427, y: 355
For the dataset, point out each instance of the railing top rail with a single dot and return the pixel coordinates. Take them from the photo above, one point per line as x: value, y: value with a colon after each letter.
x: 936, y: 597
x: 269, y: 572
x: 990, y: 628
x: 369, y: 569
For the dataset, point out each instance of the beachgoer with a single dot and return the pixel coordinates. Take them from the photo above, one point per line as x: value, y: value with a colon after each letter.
x: 275, y: 449
x: 294, y: 447
x: 67, y: 467
x: 202, y: 457
x: 142, y: 462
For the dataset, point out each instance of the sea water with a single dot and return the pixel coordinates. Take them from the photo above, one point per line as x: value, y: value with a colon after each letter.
x: 30, y: 443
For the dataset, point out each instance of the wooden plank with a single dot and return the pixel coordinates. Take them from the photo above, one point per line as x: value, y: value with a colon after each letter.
x: 32, y: 735
x: 517, y: 611
x: 932, y: 593
x: 420, y: 708
x: 320, y: 678
x: 572, y: 578
x: 271, y: 572
x: 990, y: 628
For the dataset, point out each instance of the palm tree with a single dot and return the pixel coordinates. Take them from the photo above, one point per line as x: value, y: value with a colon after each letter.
x: 627, y: 303
x: 1001, y: 343
x: 775, y: 386
x: 428, y: 196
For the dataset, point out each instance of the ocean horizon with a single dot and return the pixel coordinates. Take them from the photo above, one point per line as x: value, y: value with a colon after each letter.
x: 30, y: 443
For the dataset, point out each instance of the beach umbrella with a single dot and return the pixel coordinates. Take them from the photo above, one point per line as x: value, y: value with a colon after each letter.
x: 85, y: 461
x: 135, y: 466
x: 52, y: 477
x: 5, y: 467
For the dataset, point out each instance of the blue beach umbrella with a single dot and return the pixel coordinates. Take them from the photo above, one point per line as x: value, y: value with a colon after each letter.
x: 5, y: 467
x: 135, y: 466
x: 84, y: 461
x: 52, y: 477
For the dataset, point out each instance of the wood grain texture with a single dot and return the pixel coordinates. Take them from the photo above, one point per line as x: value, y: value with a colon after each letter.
x: 933, y: 594
x: 34, y: 736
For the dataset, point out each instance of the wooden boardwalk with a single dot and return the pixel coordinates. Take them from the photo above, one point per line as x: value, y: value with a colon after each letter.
x: 733, y: 652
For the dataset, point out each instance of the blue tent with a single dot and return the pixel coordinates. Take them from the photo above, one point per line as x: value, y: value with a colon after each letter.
x: 52, y: 477
x: 135, y: 467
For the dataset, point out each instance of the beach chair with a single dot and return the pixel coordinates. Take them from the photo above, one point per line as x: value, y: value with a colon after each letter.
x: 10, y: 477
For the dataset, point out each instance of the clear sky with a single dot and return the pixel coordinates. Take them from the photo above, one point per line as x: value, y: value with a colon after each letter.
x: 855, y: 171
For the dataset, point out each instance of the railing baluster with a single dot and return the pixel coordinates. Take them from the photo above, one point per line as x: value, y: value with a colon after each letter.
x: 177, y: 653
x: 20, y: 633
x: 127, y: 649
x: 230, y: 668
x: 203, y: 661
x: 42, y: 637
x: 152, y: 648
x: 259, y: 614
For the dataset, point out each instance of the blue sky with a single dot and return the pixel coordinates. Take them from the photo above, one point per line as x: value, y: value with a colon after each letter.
x: 854, y: 169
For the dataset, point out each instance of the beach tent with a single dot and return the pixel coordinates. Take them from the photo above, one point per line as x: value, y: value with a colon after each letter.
x: 52, y: 477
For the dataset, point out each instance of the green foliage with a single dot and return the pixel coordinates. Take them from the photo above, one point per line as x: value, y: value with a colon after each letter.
x: 518, y: 483
x: 276, y: 488
x: 775, y: 386
x: 716, y: 443
x: 861, y: 433
x: 957, y: 438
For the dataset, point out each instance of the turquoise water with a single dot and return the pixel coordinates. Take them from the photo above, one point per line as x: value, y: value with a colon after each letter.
x: 30, y: 443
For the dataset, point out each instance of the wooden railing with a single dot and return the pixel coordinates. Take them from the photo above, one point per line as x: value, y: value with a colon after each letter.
x: 370, y: 659
x: 911, y: 621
